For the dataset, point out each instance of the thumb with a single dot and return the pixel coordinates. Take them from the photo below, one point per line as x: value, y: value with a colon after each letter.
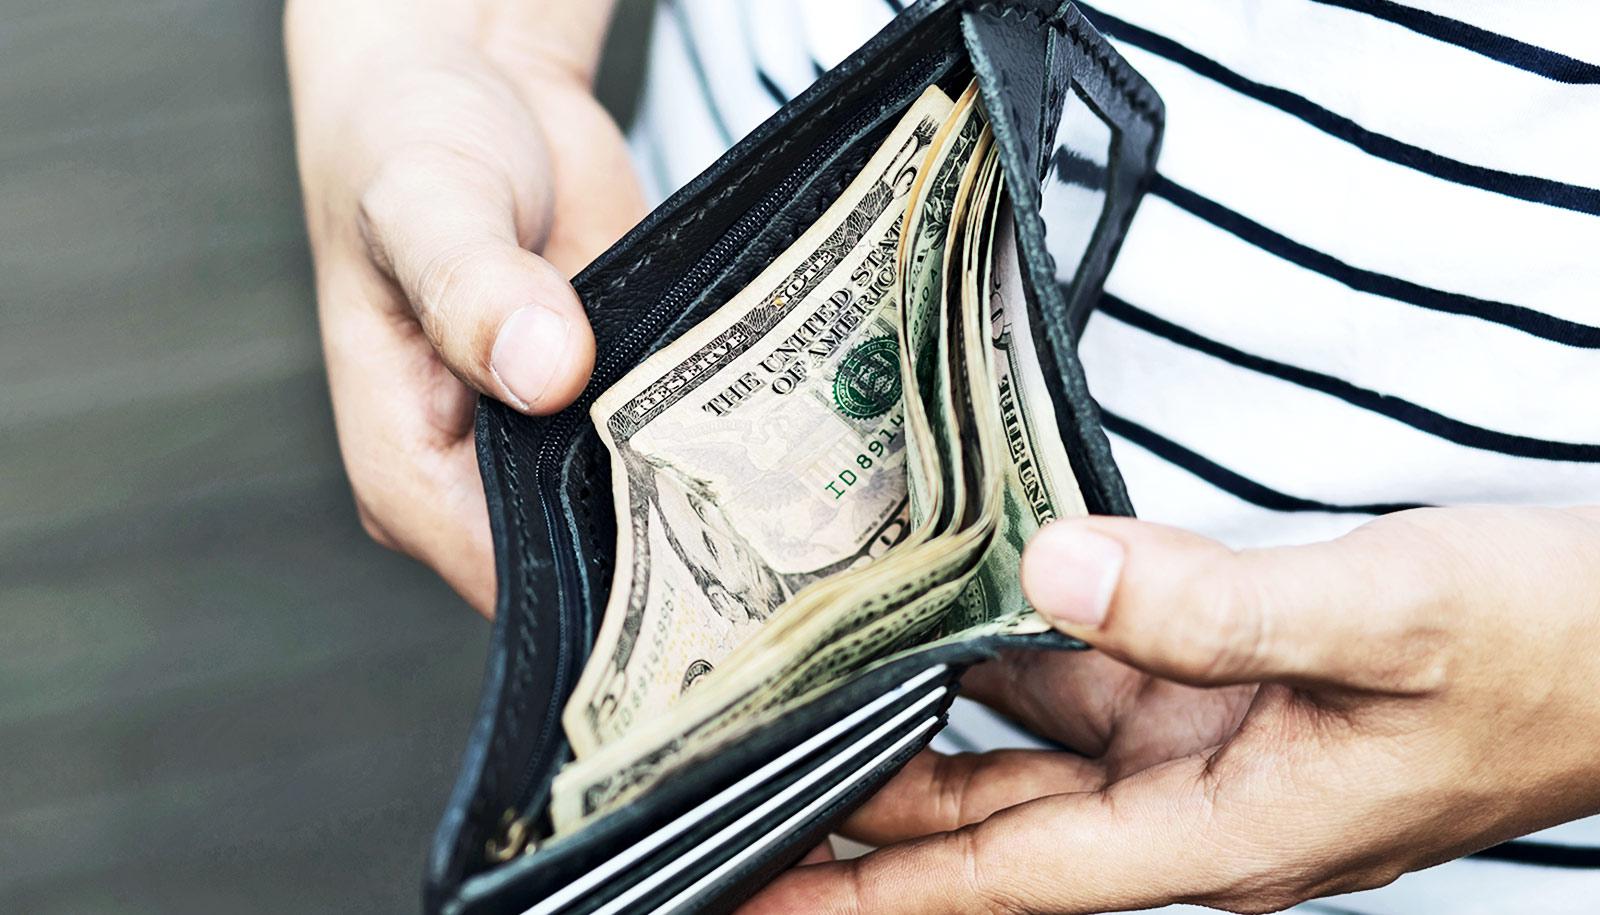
x: 1351, y: 612
x: 503, y: 319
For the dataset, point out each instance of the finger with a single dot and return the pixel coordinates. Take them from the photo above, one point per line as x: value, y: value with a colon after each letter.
x: 822, y: 854
x: 1363, y: 611
x: 1138, y: 845
x: 938, y: 793
x: 600, y: 197
x: 1071, y: 697
x: 405, y: 435
x: 503, y: 319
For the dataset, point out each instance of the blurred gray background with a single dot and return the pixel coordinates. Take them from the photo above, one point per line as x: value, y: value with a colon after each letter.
x: 215, y: 694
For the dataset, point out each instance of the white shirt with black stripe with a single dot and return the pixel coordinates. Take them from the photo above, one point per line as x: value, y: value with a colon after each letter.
x: 1367, y: 278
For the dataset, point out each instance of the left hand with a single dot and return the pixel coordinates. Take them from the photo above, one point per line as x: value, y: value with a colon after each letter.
x: 456, y: 170
x: 1429, y: 685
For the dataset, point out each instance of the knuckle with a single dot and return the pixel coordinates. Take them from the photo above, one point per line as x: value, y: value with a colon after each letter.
x: 946, y: 796
x: 1421, y: 646
x: 375, y: 531
x: 1261, y: 905
x: 1249, y: 608
x: 1256, y: 890
x: 383, y: 196
x: 1379, y: 875
x: 1425, y: 667
x: 371, y: 522
x: 1416, y: 637
x: 1225, y: 629
x: 445, y: 282
x: 953, y: 777
x: 390, y: 193
x: 986, y: 885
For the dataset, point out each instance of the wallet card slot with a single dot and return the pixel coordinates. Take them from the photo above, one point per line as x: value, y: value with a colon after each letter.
x: 812, y: 778
x: 527, y: 880
x: 739, y: 790
x: 687, y: 899
x: 563, y: 869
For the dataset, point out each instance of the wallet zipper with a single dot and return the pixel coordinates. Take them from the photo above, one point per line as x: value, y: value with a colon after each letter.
x: 919, y: 74
x: 517, y: 835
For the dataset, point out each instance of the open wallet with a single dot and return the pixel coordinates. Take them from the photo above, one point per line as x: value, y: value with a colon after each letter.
x: 1076, y: 133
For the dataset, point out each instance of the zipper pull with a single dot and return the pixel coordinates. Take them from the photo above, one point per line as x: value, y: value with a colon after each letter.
x: 515, y: 838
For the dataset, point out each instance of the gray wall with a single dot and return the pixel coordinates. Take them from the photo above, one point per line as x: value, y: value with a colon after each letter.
x: 215, y: 694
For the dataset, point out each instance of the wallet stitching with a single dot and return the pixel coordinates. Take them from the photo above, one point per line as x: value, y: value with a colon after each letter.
x: 516, y: 698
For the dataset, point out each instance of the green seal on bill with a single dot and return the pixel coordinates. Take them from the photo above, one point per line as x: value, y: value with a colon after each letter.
x: 868, y: 382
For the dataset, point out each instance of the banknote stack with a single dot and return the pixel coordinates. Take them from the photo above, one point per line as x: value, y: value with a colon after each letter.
x: 840, y: 464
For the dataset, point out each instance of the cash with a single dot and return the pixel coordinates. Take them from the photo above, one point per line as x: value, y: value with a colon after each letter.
x: 760, y: 452
x: 839, y: 464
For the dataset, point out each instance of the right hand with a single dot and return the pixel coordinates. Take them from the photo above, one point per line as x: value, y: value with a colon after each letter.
x: 1302, y: 721
x: 456, y: 171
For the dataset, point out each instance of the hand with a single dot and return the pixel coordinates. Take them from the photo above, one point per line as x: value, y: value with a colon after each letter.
x: 1429, y: 686
x: 441, y: 143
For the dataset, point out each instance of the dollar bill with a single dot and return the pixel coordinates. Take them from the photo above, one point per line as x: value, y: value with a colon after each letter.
x: 847, y: 620
x: 933, y: 200
x: 759, y: 453
x: 1016, y: 426
x: 1036, y: 455
x: 735, y: 578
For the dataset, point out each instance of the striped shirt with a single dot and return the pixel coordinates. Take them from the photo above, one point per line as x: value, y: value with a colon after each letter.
x: 1367, y: 277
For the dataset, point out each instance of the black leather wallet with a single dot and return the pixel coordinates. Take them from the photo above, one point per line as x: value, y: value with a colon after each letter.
x: 1078, y: 132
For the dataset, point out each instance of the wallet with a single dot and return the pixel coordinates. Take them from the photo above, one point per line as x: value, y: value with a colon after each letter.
x: 1078, y: 132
